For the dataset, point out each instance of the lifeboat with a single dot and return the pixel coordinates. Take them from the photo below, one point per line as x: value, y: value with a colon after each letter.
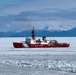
x: 40, y: 43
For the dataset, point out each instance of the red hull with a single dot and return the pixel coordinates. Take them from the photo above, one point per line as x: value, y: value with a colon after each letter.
x: 18, y: 45
x: 21, y: 45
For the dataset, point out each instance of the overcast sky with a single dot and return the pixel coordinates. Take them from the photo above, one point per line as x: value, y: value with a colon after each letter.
x: 17, y: 7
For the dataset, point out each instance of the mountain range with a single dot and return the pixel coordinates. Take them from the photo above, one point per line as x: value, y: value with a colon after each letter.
x: 47, y: 22
x: 39, y: 33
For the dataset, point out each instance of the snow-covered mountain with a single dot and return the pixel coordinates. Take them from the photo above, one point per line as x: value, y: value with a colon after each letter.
x: 45, y: 32
x: 49, y: 28
x: 58, y: 28
x: 66, y: 27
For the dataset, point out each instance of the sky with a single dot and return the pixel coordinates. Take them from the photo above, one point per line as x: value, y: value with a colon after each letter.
x: 17, y: 15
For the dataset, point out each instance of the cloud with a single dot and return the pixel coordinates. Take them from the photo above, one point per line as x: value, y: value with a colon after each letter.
x: 39, y: 19
x: 18, y: 15
x: 17, y: 6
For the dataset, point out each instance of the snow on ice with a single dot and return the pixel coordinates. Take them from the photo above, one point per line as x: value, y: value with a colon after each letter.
x: 37, y: 61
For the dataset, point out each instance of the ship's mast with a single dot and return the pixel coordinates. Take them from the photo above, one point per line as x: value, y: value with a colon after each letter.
x: 33, y: 32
